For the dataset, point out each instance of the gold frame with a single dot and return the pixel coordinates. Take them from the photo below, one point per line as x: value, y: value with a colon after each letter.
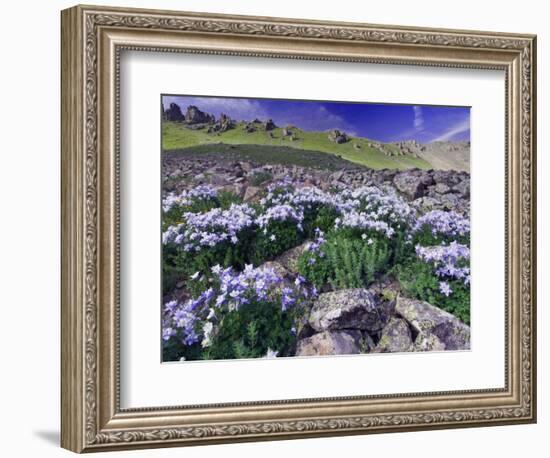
x: 92, y: 39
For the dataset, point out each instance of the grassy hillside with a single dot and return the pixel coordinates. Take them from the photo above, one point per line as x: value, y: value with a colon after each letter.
x: 264, y: 154
x: 176, y: 136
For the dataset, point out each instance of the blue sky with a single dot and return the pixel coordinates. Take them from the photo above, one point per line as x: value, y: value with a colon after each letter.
x: 382, y: 122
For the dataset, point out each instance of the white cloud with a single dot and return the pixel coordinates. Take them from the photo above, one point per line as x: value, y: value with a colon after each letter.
x: 458, y: 128
x: 418, y: 118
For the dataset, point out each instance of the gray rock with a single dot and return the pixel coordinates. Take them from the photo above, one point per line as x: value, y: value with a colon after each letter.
x: 277, y: 267
x: 337, y: 137
x: 428, y: 342
x: 289, y: 259
x: 330, y: 343
x: 269, y: 125
x: 411, y: 184
x: 348, y: 309
x: 463, y: 188
x: 173, y: 113
x: 195, y: 116
x: 428, y: 320
x: 441, y: 188
x: 251, y: 193
x: 395, y: 337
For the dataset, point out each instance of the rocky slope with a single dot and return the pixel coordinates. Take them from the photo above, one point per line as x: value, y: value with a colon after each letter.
x: 425, y: 189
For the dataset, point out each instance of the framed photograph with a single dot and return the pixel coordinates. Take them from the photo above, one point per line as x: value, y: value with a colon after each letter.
x: 279, y: 228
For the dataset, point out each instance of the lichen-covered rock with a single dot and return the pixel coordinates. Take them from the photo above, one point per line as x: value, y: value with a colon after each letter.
x: 428, y: 342
x: 412, y: 183
x: 395, y: 337
x: 463, y: 188
x: 349, y: 309
x: 289, y: 259
x: 428, y: 320
x: 330, y: 343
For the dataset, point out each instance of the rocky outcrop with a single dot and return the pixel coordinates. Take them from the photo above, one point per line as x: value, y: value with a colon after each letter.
x: 173, y: 113
x: 286, y: 132
x: 434, y: 327
x: 425, y: 189
x: 195, y: 116
x: 395, y: 337
x: 337, y: 137
x: 289, y: 259
x: 223, y: 124
x: 330, y: 343
x: 413, y: 183
x: 269, y: 125
x: 358, y: 309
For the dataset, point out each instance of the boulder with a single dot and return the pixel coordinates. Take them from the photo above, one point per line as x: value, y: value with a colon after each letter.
x: 441, y: 188
x: 428, y: 342
x: 412, y: 184
x: 269, y: 125
x: 337, y: 137
x: 277, y: 267
x: 330, y: 343
x: 195, y: 116
x: 428, y: 321
x: 426, y: 204
x: 289, y: 259
x: 173, y: 113
x: 463, y: 188
x: 395, y: 337
x: 349, y: 309
x: 252, y: 193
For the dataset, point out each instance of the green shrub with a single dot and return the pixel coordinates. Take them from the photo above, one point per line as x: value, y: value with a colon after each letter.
x: 277, y: 237
x: 180, y: 265
x: 419, y: 281
x: 346, y: 262
x: 318, y: 216
x: 253, y: 330
x: 260, y: 177
x: 223, y: 200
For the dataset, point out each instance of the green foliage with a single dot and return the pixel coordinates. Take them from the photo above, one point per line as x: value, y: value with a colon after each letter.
x: 425, y: 237
x: 260, y: 177
x: 278, y: 237
x: 418, y: 280
x: 180, y: 265
x: 318, y: 217
x: 253, y: 329
x: 346, y: 262
x: 226, y: 198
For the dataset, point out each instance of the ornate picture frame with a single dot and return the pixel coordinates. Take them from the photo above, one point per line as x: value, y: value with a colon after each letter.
x: 92, y: 41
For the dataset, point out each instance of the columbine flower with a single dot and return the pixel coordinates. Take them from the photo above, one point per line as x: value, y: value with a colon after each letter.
x: 449, y: 224
x: 212, y: 227
x: 450, y: 261
x: 272, y: 237
x: 167, y: 333
x: 445, y: 288
x: 201, y: 192
x: 195, y: 275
